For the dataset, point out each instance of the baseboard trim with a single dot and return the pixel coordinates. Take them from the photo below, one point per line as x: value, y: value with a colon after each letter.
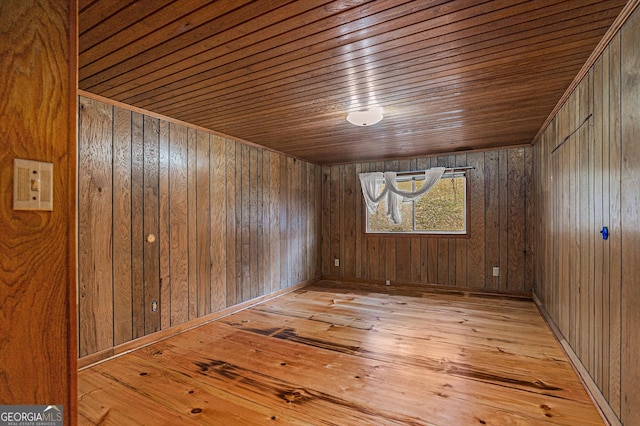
x: 408, y: 288
x: 124, y: 348
x: 601, y: 403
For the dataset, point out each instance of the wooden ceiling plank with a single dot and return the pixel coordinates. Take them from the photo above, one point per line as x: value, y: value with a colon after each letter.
x: 509, y: 90
x: 460, y: 67
x: 269, y: 79
x: 274, y: 94
x: 170, y: 33
x: 277, y: 40
x: 300, y: 63
x: 529, y: 110
x: 394, y: 94
x: 263, y: 26
x: 117, y: 22
x: 288, y: 62
x: 91, y: 13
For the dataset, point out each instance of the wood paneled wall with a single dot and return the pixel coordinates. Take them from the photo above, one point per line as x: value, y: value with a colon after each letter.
x: 500, y: 221
x: 186, y: 218
x: 37, y: 248
x: 589, y: 286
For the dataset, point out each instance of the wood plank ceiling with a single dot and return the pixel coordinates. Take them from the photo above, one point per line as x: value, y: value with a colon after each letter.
x: 450, y: 75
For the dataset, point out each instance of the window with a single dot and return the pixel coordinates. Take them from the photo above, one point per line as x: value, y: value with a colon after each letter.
x: 442, y: 210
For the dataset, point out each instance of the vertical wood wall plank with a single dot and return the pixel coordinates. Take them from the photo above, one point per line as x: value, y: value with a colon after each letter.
x: 151, y: 203
x: 274, y: 220
x: 597, y: 254
x: 326, y: 220
x: 165, y: 274
x: 192, y: 233
x: 492, y: 217
x: 503, y: 191
x: 284, y: 220
x: 178, y: 243
x: 603, y: 83
x: 264, y: 223
x: 122, y: 312
x: 476, y: 262
x: 252, y: 283
x: 219, y: 226
x: 137, y: 223
x: 529, y: 226
x: 515, y: 220
x: 264, y: 250
x: 630, y: 217
x: 357, y: 227
x: 335, y: 217
x: 319, y: 220
x: 349, y: 220
x: 615, y: 221
x: 203, y: 223
x: 95, y: 199
x: 232, y: 226
x: 245, y: 226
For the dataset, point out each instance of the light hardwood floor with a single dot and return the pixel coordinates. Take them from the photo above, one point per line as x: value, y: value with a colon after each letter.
x: 324, y: 355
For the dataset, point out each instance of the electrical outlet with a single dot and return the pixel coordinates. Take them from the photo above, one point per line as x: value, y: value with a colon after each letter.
x: 388, y: 282
x: 496, y: 271
x: 336, y: 262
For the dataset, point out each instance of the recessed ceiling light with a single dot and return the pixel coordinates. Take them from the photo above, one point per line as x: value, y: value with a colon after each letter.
x: 367, y: 117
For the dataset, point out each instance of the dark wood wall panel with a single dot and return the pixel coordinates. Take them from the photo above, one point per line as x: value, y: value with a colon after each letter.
x: 176, y: 223
x: 499, y: 191
x: 588, y: 286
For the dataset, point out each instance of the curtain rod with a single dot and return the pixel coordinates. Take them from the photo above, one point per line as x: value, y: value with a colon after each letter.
x: 447, y: 169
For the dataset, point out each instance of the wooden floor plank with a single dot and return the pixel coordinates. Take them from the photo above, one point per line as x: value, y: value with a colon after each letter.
x: 321, y: 355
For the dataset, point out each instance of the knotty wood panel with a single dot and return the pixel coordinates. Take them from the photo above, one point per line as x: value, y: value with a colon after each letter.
x: 462, y: 361
x: 95, y: 222
x: 38, y: 121
x: 178, y: 225
x: 594, y: 301
x: 122, y: 264
x: 497, y: 221
x: 212, y: 204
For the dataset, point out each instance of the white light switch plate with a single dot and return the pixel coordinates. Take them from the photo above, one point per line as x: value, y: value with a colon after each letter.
x: 32, y: 185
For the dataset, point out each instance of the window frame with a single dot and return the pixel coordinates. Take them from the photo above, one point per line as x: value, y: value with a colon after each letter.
x: 425, y: 234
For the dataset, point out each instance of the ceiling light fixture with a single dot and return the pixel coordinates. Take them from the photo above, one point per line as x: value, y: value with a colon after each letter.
x: 367, y: 117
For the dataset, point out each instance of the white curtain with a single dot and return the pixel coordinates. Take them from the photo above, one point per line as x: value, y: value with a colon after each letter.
x: 372, y: 182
